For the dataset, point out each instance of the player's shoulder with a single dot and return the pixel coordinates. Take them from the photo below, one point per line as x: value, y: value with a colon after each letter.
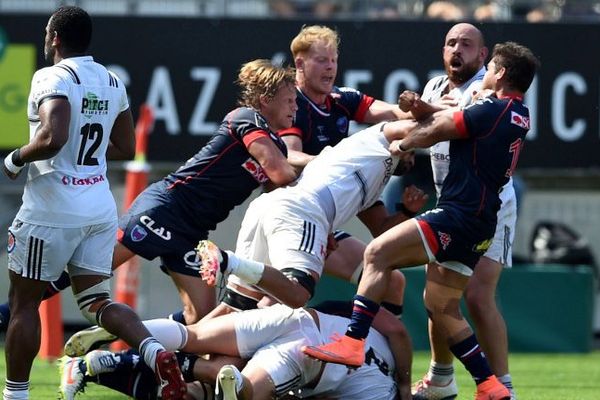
x: 339, y: 92
x: 47, y: 73
x: 435, y: 83
x: 247, y: 116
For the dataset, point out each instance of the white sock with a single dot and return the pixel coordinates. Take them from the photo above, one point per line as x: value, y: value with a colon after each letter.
x: 506, y: 380
x: 171, y: 334
x: 440, y: 374
x: 16, y: 390
x: 247, y: 270
x: 148, y: 350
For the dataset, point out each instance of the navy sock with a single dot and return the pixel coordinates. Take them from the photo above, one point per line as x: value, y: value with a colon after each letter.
x: 132, y: 377
x: 178, y: 316
x: 472, y: 357
x: 186, y: 362
x: 4, y: 316
x: 54, y: 287
x: 363, y: 312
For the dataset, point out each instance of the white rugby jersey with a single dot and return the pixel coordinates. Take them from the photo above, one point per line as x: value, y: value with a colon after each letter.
x: 374, y: 380
x: 71, y: 188
x: 355, y: 172
x: 433, y: 92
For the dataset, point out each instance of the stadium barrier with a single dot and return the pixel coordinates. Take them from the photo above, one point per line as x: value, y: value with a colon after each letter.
x: 547, y: 308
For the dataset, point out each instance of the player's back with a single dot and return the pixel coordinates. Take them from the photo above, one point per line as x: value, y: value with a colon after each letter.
x: 483, y: 164
x: 355, y: 172
x: 71, y: 188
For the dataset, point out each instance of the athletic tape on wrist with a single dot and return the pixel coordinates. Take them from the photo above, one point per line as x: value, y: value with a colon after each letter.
x: 10, y: 165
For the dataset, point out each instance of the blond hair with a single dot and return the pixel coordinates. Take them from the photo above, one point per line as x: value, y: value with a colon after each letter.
x: 312, y: 34
x: 261, y: 78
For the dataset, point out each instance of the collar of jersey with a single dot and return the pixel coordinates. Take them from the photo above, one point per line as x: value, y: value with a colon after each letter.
x: 313, y: 105
x: 512, y: 96
x: 477, y: 77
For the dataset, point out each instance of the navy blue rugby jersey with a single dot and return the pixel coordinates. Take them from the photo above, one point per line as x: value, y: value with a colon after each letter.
x: 481, y: 163
x: 320, y: 126
x: 223, y: 173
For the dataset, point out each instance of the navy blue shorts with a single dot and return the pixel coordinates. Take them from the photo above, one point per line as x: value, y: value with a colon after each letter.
x: 150, y: 230
x: 452, y: 238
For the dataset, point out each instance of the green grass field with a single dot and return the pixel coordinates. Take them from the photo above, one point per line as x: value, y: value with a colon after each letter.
x: 536, y: 377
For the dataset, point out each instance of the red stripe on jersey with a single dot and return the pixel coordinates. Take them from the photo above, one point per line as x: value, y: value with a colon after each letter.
x: 459, y: 121
x: 290, y: 131
x: 252, y: 136
x: 429, y: 236
x: 363, y: 107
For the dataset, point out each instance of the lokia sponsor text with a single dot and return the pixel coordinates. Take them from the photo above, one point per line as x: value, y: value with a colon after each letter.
x: 73, y: 181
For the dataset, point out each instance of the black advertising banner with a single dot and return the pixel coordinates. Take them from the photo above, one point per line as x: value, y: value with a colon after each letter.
x: 185, y: 69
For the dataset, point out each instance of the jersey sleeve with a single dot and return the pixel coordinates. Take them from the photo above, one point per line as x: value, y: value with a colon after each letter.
x: 477, y: 119
x: 123, y: 100
x: 48, y: 84
x: 250, y: 125
x: 354, y: 101
x: 293, y: 131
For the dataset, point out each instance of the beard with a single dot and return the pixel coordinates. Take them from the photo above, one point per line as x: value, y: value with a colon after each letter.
x: 464, y: 73
x: 49, y: 55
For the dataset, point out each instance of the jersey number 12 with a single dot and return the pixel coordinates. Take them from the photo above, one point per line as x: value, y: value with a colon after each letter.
x: 91, y: 132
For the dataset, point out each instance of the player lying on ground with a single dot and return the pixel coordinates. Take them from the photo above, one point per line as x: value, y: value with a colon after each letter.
x: 270, y: 338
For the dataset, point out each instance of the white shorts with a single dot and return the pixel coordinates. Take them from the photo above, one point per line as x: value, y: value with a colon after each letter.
x: 42, y: 252
x: 501, y: 248
x: 273, y: 339
x: 284, y: 233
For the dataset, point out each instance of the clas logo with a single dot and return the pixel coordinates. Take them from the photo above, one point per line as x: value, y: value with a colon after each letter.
x: 158, y: 231
x: 482, y: 247
x: 92, y: 105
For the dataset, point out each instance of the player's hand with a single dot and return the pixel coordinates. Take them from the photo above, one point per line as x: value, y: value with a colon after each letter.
x: 10, y: 174
x: 408, y: 100
x: 414, y: 198
x: 447, y: 101
x: 481, y: 94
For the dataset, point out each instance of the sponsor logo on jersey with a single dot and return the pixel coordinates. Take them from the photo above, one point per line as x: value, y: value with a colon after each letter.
x: 192, y: 259
x: 254, y: 168
x: 10, y: 246
x: 482, y: 247
x: 92, y: 180
x: 445, y: 239
x: 342, y: 124
x: 158, y: 230
x: 519, y: 120
x: 440, y: 157
x: 138, y: 233
x: 92, y: 105
x: 321, y: 134
x: 388, y: 165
